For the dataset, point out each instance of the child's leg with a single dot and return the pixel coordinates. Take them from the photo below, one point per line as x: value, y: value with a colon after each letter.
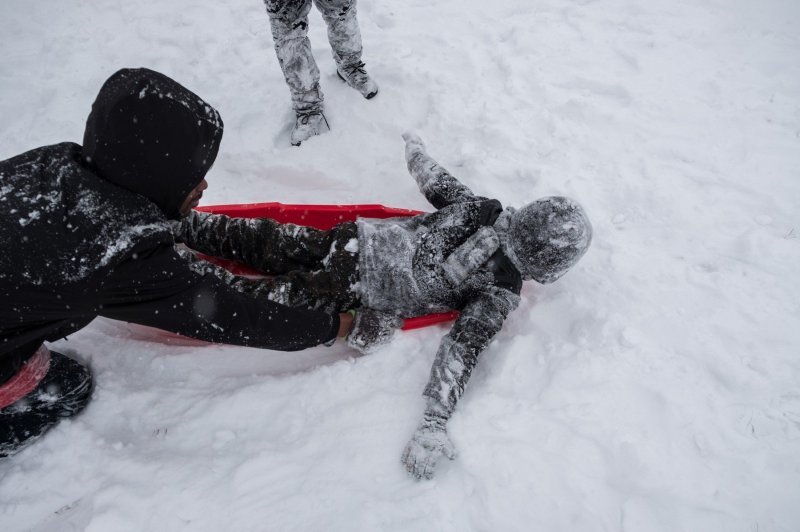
x: 289, y: 24
x: 315, y: 268
x: 261, y: 243
x: 288, y: 247
x: 333, y: 287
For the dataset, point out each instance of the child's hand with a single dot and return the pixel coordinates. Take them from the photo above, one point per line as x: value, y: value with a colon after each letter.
x: 412, y: 138
x: 372, y: 329
x: 427, y: 446
x: 414, y: 146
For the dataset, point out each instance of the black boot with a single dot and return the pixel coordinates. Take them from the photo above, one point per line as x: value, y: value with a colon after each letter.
x: 63, y: 392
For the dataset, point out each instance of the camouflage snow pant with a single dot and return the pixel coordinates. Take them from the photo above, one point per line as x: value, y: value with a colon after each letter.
x: 289, y: 23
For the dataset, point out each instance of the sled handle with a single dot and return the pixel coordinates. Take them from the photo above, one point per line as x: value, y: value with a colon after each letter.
x: 429, y: 319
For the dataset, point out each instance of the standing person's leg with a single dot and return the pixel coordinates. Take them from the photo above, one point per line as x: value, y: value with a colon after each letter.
x: 345, y: 38
x: 289, y: 24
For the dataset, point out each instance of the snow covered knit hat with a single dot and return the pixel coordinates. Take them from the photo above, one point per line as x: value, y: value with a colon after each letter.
x: 546, y: 238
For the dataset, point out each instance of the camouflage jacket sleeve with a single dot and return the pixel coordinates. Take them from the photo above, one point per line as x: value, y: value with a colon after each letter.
x: 458, y: 352
x: 437, y: 184
x: 260, y: 243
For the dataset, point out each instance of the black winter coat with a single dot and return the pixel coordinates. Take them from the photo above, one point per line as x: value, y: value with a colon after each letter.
x: 85, y: 232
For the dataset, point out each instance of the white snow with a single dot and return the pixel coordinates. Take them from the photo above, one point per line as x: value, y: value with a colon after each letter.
x: 656, y: 387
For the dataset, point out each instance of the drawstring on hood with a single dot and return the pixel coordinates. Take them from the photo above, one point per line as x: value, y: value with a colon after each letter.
x: 150, y: 135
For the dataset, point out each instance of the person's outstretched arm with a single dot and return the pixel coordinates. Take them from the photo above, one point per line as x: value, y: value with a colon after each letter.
x: 162, y: 288
x: 458, y: 353
x: 260, y: 243
x: 439, y: 186
x: 171, y: 290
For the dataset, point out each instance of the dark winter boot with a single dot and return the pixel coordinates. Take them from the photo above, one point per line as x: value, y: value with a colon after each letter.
x: 48, y: 387
x: 307, y: 125
x: 355, y: 76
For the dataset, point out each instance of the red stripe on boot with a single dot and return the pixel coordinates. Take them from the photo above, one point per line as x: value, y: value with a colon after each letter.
x: 27, y: 378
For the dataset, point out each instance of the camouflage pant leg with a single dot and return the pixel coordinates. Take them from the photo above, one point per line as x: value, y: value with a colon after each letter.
x: 289, y: 24
x: 344, y: 34
x: 331, y: 287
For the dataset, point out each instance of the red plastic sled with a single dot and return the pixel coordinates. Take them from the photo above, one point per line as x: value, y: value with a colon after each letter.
x: 320, y: 217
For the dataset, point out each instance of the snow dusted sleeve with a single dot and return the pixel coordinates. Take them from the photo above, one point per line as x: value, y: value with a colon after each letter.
x: 458, y: 352
x: 329, y: 290
x: 260, y: 243
x: 165, y: 289
x: 439, y: 186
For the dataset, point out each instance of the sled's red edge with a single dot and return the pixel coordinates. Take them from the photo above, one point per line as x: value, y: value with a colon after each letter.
x: 320, y: 217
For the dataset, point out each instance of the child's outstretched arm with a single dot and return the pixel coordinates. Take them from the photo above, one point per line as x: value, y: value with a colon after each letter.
x: 439, y: 186
x: 458, y: 353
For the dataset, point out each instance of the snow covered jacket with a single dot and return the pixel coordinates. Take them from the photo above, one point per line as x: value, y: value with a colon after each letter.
x: 85, y: 231
x: 448, y: 259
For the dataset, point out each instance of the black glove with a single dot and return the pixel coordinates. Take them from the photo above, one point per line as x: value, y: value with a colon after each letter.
x: 372, y: 329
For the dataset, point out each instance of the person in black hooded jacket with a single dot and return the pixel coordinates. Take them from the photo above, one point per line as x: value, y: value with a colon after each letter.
x: 85, y: 232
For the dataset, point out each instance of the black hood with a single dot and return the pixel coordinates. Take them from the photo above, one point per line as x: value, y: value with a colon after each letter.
x: 152, y: 136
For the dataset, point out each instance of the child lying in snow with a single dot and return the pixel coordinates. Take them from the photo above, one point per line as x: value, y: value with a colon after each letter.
x: 470, y: 255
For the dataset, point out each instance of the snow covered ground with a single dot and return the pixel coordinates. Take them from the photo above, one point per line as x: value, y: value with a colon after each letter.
x: 656, y: 387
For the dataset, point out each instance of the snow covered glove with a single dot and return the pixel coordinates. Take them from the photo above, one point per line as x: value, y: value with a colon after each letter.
x: 413, y: 143
x: 372, y: 329
x: 427, y: 446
